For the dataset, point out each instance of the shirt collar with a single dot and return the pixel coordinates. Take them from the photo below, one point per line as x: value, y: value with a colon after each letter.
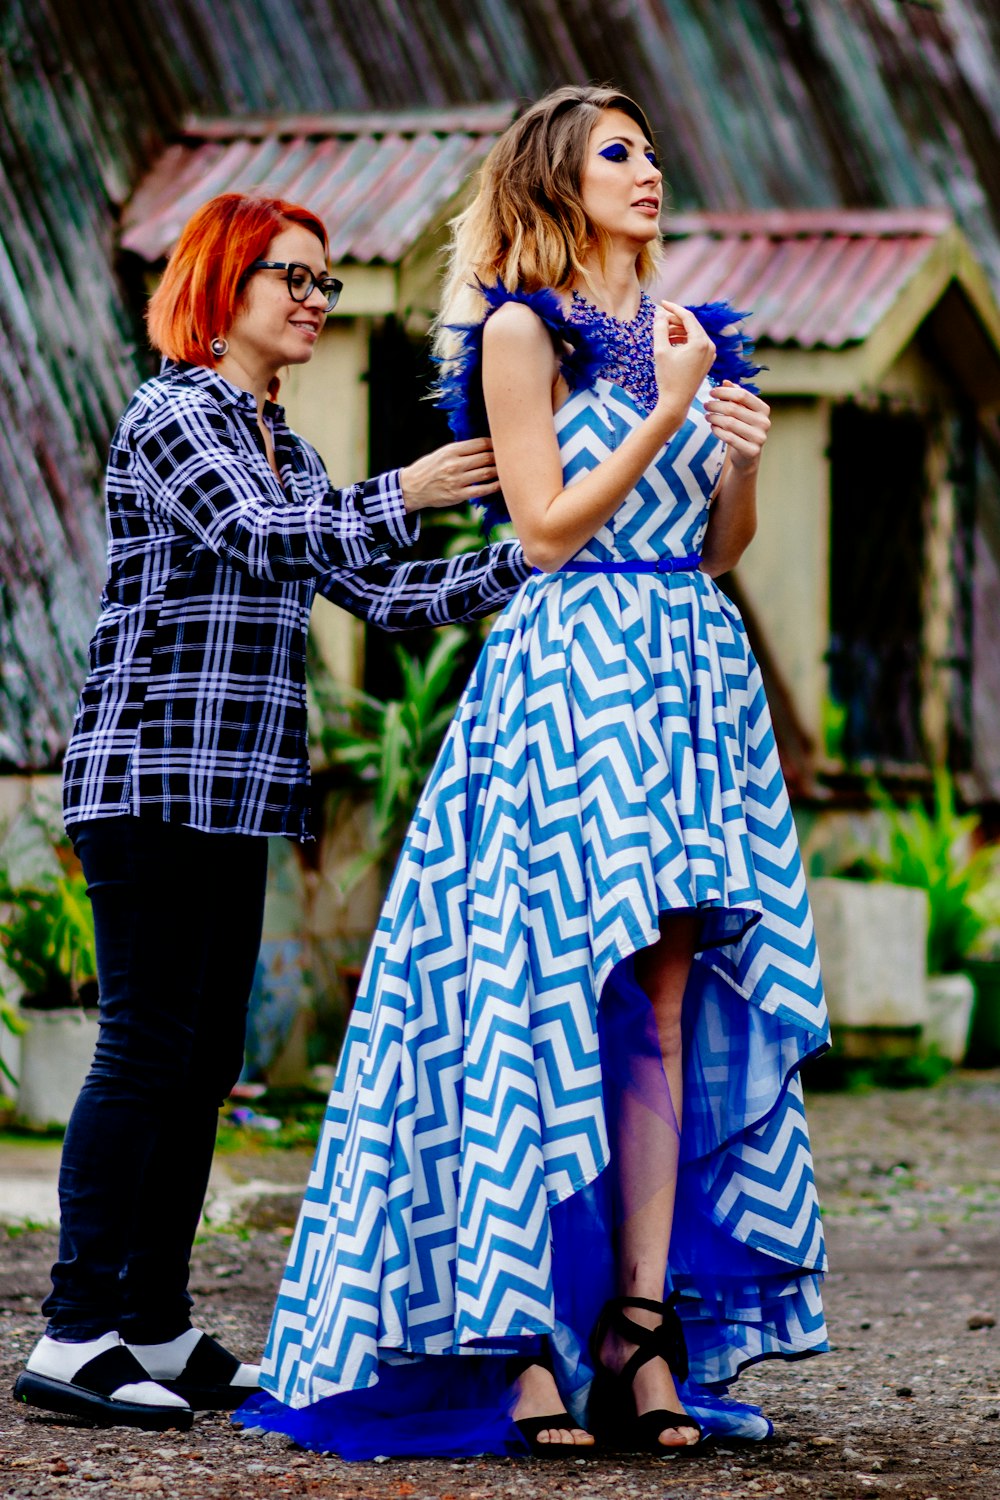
x: 223, y: 390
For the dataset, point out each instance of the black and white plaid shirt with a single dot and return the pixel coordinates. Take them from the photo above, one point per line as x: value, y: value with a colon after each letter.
x: 194, y: 709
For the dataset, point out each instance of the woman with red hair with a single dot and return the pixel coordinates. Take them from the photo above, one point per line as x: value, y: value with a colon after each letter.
x: 188, y: 750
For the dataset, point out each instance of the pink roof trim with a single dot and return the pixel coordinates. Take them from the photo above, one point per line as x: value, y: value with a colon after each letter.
x: 377, y: 181
x: 811, y: 279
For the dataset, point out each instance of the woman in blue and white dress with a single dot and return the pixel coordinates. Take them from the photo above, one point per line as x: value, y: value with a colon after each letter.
x: 566, y: 1134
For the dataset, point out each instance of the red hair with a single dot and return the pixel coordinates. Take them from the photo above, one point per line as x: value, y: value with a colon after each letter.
x: 199, y: 293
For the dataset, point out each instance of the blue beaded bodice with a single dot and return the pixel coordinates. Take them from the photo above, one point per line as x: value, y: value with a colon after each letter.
x: 627, y: 344
x: 592, y: 347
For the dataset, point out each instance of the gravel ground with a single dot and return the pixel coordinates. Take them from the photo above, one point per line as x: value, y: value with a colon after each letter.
x: 907, y: 1405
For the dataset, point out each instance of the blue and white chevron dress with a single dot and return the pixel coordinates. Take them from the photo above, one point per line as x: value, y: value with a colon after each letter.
x: 611, y: 759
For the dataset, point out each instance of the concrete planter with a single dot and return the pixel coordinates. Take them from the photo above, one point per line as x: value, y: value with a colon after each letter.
x: 950, y: 998
x: 872, y: 939
x: 56, y: 1052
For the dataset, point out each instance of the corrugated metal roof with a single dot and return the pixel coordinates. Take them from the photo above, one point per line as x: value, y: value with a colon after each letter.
x: 376, y: 181
x: 814, y: 280
x: 757, y: 104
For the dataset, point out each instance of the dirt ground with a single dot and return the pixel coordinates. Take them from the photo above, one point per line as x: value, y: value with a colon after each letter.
x: 907, y: 1405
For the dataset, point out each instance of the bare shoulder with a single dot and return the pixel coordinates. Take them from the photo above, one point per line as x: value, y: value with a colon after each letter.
x: 515, y: 329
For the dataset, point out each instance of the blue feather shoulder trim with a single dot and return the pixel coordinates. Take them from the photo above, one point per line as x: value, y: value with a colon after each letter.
x: 733, y: 350
x: 459, y: 390
x: 581, y: 354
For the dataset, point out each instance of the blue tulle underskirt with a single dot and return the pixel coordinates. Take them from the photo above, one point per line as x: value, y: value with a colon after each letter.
x: 458, y: 1405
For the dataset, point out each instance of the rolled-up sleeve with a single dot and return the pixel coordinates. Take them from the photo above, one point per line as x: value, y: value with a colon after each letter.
x: 444, y: 591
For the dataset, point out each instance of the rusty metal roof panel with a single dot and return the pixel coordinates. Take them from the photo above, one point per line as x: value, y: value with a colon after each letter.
x: 758, y: 105
x: 69, y: 354
x: 810, y: 280
x: 377, y: 183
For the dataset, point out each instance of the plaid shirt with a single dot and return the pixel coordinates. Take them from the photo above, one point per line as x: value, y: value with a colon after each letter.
x: 194, y: 709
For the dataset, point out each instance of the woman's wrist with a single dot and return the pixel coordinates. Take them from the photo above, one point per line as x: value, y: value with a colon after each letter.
x: 411, y: 501
x: 668, y: 415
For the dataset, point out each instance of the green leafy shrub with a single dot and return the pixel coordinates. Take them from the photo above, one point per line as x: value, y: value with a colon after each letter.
x: 12, y: 1021
x: 46, y: 936
x: 932, y: 849
x: 387, y: 747
x: 834, y: 1073
x: 48, y: 939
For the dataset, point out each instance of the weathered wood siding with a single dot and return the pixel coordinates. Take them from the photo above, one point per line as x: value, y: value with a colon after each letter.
x: 758, y: 104
x: 76, y: 123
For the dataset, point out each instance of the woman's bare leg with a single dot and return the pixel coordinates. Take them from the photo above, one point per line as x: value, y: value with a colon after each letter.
x: 649, y: 1151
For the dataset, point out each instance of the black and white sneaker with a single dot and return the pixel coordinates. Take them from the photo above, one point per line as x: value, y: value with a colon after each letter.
x: 99, y: 1382
x: 199, y: 1370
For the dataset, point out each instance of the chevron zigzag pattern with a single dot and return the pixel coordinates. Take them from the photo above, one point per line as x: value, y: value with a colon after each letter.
x: 612, y: 758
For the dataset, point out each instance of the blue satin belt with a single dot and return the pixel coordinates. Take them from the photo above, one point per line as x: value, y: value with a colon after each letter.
x: 687, y: 564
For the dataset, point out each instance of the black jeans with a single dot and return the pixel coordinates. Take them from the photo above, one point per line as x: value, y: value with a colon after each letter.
x: 178, y: 916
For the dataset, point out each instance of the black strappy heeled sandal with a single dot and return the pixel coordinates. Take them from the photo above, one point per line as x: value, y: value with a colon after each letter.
x: 530, y: 1427
x: 612, y: 1416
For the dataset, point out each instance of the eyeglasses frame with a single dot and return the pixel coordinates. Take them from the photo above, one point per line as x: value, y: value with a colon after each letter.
x: 289, y: 266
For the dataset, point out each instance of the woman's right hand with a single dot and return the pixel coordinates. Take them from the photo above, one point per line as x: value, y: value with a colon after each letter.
x: 683, y: 354
x: 451, y: 475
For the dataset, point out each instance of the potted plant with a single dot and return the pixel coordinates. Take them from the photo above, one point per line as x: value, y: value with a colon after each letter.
x: 49, y: 962
x: 935, y: 849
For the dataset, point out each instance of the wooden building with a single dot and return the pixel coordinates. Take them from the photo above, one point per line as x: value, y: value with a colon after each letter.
x: 880, y: 334
x: 833, y: 166
x: 760, y: 105
x: 386, y: 184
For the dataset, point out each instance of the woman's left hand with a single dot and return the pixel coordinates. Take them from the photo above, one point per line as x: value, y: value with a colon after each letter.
x: 741, y: 420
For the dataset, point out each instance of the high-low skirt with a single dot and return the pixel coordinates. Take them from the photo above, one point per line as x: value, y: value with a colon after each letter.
x: 611, y: 761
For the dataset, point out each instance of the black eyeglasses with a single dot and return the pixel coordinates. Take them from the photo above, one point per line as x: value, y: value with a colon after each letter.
x: 300, y: 280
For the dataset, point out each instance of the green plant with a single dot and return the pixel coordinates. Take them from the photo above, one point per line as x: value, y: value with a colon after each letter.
x: 24, y: 1226
x: 48, y: 939
x: 300, y: 1110
x: 461, y: 530
x: 834, y: 1073
x: 932, y: 849
x: 834, y: 725
x: 387, y: 747
x: 12, y: 1021
x: 46, y: 936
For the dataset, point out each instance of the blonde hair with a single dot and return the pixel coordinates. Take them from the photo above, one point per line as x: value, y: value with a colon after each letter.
x: 527, y: 225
